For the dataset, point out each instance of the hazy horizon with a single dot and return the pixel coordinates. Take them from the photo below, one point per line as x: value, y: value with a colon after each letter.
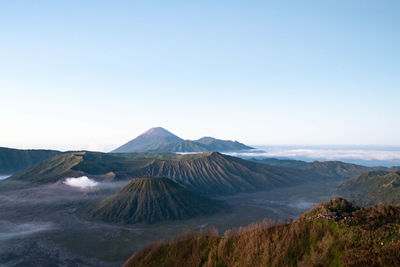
x: 93, y: 75
x: 368, y: 155
x: 257, y: 146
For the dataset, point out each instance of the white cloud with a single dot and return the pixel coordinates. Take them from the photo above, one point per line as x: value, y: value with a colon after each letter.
x: 9, y: 230
x: 81, y: 182
x: 338, y: 154
x: 376, y: 154
x: 2, y: 177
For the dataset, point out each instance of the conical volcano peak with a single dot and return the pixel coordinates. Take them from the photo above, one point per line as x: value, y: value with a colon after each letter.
x: 158, y: 131
x: 151, y: 140
x: 151, y: 199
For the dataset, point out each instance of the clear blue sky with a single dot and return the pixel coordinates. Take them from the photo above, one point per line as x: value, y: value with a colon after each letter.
x: 94, y: 74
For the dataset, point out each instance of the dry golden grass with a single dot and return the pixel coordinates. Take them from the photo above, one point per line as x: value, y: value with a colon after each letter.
x: 371, y: 239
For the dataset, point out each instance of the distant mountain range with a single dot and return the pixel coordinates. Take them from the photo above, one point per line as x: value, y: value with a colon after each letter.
x: 151, y: 200
x: 154, y: 140
x: 209, y: 173
x: 160, y: 140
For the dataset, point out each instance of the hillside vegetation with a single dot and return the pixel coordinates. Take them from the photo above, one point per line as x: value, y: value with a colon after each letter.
x: 371, y: 188
x: 50, y: 170
x: 336, y: 170
x: 352, y: 237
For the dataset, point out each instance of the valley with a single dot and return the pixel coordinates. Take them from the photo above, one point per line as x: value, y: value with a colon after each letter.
x: 59, y: 235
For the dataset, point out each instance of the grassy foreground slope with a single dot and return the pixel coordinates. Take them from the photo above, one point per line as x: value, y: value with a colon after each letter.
x: 353, y: 237
x: 151, y: 200
x: 371, y: 188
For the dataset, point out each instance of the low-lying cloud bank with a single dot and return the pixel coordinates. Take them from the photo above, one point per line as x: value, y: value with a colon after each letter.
x: 10, y: 230
x: 3, y: 177
x: 81, y: 182
x: 369, y: 155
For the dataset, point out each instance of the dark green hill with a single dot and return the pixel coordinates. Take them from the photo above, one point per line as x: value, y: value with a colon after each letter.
x: 373, y: 188
x: 336, y: 170
x: 151, y: 200
x: 92, y: 164
x: 51, y: 170
x: 346, y: 236
x: 14, y: 160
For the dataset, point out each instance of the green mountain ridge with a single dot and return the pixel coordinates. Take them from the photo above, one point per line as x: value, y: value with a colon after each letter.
x: 51, y: 170
x: 14, y: 160
x: 372, y: 188
x: 206, y: 173
x: 209, y: 173
x: 328, y: 169
x: 212, y: 173
x: 151, y: 200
